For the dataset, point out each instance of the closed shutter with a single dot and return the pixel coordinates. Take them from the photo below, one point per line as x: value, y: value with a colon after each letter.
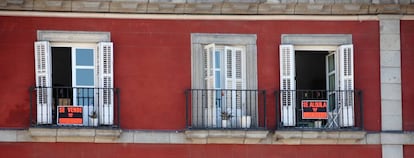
x: 106, y: 92
x: 346, y: 85
x: 235, y: 76
x: 43, y: 82
x: 229, y: 80
x: 287, y: 85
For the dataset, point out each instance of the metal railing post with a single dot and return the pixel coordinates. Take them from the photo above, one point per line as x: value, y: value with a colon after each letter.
x: 31, y: 106
x: 186, y: 108
x: 361, y: 109
x: 264, y: 106
x: 277, y: 113
x: 86, y: 98
x: 206, y: 114
x: 118, y: 102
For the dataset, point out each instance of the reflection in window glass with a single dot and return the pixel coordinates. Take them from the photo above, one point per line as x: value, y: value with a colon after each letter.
x: 331, y: 63
x: 85, y: 96
x: 84, y: 77
x: 84, y: 57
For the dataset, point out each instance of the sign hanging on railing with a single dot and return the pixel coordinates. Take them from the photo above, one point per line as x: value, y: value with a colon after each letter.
x: 314, y: 109
x: 70, y: 115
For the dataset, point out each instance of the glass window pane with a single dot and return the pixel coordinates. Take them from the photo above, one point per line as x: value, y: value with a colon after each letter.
x: 218, y: 81
x: 85, y: 92
x: 331, y: 82
x: 85, y: 77
x: 332, y: 102
x: 217, y: 59
x: 331, y: 63
x: 84, y: 57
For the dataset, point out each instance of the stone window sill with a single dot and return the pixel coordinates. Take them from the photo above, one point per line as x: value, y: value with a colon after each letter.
x: 73, y: 135
x: 226, y: 136
x: 319, y: 137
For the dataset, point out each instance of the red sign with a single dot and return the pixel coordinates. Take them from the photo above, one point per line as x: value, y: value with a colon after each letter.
x: 314, y: 109
x: 70, y: 115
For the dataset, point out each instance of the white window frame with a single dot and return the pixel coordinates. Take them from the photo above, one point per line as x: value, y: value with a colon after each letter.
x: 228, y: 78
x: 100, y: 41
x: 320, y: 42
x: 199, y: 41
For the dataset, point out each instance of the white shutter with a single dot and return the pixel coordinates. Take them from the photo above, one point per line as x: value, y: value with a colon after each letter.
x: 106, y: 92
x: 287, y: 85
x: 235, y: 80
x: 209, y: 65
x: 346, y: 85
x: 229, y: 68
x: 209, y: 78
x: 240, y: 84
x: 230, y: 79
x: 43, y: 82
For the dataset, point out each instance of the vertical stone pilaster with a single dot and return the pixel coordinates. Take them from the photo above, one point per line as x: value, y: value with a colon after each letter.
x: 390, y: 47
x: 391, y: 98
x: 392, y: 151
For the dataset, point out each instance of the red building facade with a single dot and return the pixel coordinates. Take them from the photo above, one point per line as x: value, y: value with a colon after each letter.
x: 162, y: 103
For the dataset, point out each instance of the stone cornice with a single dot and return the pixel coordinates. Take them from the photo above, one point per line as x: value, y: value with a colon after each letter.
x: 217, y: 7
x: 207, y: 136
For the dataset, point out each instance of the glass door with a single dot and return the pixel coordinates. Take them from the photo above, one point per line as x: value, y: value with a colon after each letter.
x: 331, y: 93
x: 83, y: 74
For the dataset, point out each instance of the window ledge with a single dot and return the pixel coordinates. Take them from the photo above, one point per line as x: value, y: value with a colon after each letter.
x: 319, y: 137
x: 74, y: 135
x: 226, y: 136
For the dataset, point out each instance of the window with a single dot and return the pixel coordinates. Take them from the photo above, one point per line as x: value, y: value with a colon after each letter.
x: 317, y: 81
x: 74, y: 69
x: 224, y: 81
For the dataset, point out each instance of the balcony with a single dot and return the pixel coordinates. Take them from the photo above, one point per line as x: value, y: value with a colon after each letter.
x: 319, y: 110
x: 74, y: 107
x: 225, y: 109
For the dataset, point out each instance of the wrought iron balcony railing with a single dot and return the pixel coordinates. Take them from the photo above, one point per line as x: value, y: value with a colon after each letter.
x: 225, y: 109
x: 319, y: 109
x: 78, y: 107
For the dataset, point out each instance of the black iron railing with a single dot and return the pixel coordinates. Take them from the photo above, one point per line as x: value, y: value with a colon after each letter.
x: 225, y: 109
x: 74, y: 107
x: 319, y: 109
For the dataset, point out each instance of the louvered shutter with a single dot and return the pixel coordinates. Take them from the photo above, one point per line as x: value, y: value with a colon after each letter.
x: 43, y: 82
x: 239, y: 76
x: 287, y: 85
x: 209, y: 65
x: 209, y: 78
x: 106, y: 92
x: 235, y: 76
x: 229, y: 80
x: 346, y: 85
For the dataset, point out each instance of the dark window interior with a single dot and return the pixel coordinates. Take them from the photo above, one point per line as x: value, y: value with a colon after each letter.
x: 310, y: 70
x: 61, y: 66
x: 310, y: 81
x: 61, y: 77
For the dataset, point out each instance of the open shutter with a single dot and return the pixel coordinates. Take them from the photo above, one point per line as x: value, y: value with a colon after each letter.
x: 210, y: 84
x: 43, y: 82
x: 346, y: 85
x: 209, y: 65
x: 287, y: 85
x: 106, y: 92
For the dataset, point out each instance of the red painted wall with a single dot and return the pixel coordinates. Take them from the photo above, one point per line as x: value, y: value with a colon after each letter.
x: 408, y: 151
x: 153, y: 63
x: 407, y: 73
x: 84, y: 150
